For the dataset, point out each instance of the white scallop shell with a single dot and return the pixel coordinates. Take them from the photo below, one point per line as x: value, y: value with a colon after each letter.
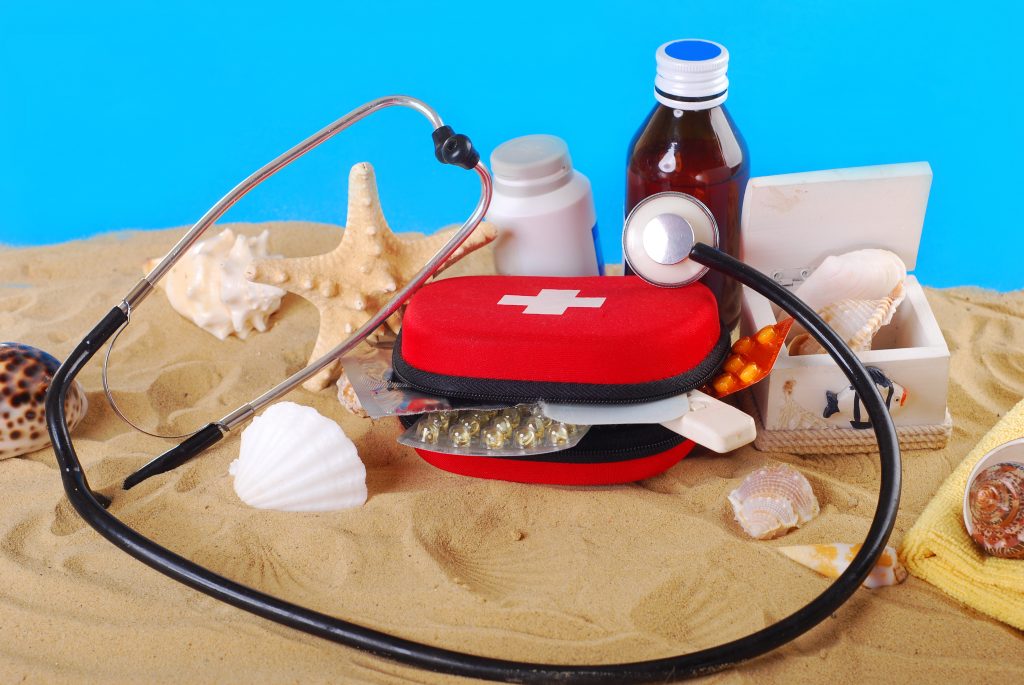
x: 208, y: 286
x: 294, y: 459
x: 773, y: 500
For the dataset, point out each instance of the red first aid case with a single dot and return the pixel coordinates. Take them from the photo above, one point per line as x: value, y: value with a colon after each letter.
x: 591, y: 340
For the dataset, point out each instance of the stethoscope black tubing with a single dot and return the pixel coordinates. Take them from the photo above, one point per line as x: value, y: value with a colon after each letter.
x: 703, y: 662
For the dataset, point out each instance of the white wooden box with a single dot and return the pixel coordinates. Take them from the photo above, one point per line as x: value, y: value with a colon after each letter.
x: 790, y: 223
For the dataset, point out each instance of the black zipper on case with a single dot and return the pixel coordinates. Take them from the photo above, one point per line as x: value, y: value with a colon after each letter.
x: 517, y: 392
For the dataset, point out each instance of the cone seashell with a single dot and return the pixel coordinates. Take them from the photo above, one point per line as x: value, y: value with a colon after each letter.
x: 773, y: 500
x: 831, y: 560
x: 996, y: 507
x: 25, y: 376
x: 856, y: 293
x: 208, y: 286
x: 294, y: 459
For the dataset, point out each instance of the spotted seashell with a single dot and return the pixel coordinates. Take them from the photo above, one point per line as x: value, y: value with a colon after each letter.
x: 996, y: 505
x: 773, y: 500
x: 25, y: 375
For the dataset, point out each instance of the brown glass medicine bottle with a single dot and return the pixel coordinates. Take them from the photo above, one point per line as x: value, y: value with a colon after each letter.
x: 689, y: 144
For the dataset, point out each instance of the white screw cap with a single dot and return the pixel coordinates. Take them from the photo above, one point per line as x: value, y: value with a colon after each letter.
x: 691, y: 74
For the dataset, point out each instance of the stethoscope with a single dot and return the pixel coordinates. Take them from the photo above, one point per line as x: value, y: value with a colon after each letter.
x: 667, y: 244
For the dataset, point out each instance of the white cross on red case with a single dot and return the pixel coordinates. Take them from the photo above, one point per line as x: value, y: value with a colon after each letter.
x: 588, y: 329
x: 550, y: 301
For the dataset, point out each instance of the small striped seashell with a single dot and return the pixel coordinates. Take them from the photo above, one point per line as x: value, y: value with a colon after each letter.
x: 25, y: 375
x: 831, y: 560
x: 856, y: 322
x: 773, y: 500
x: 996, y: 508
x: 856, y: 293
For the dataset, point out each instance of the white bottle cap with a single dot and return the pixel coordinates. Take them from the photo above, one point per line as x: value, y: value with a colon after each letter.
x: 691, y: 74
x: 531, y: 165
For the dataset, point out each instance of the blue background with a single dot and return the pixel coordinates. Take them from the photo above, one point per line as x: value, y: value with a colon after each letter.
x: 141, y: 115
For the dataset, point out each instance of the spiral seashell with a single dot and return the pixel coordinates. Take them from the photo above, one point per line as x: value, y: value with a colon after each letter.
x: 996, y: 502
x: 294, y: 459
x: 208, y: 285
x: 25, y: 376
x: 773, y: 500
x: 856, y: 293
x: 856, y: 322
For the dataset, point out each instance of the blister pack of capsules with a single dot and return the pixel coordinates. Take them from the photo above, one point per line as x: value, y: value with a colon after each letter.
x: 516, y: 431
x: 370, y: 373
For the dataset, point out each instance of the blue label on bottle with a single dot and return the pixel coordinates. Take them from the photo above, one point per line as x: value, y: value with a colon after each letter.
x: 692, y: 50
x: 597, y: 250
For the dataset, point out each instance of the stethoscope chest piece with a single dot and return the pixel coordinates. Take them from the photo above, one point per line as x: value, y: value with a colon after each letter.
x: 659, y: 234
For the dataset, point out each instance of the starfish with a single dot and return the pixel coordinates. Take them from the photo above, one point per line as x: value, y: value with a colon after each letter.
x: 354, y: 280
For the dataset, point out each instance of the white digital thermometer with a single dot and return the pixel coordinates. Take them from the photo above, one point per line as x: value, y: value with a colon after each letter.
x: 694, y: 415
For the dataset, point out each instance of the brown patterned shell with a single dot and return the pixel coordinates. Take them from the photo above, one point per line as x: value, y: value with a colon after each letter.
x: 25, y: 375
x: 996, y: 499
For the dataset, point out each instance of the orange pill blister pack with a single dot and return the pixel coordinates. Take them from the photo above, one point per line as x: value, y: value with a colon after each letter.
x: 751, y: 359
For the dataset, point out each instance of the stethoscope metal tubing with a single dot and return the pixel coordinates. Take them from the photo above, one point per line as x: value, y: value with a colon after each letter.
x: 145, y: 286
x: 214, y: 431
x: 702, y: 662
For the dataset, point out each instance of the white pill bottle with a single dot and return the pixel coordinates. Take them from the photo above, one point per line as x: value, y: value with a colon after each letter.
x: 544, y: 211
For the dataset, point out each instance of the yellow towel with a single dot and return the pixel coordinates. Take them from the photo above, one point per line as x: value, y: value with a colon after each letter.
x: 937, y: 549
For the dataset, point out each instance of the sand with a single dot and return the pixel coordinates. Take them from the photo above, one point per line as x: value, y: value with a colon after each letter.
x: 550, y: 574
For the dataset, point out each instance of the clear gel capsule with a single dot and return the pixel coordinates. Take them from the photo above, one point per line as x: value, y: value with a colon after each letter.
x: 524, y: 436
x: 460, y: 435
x: 494, y: 438
x: 537, y: 425
x: 558, y: 435
x: 427, y: 432
x: 503, y: 424
x: 471, y: 423
x: 512, y: 416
